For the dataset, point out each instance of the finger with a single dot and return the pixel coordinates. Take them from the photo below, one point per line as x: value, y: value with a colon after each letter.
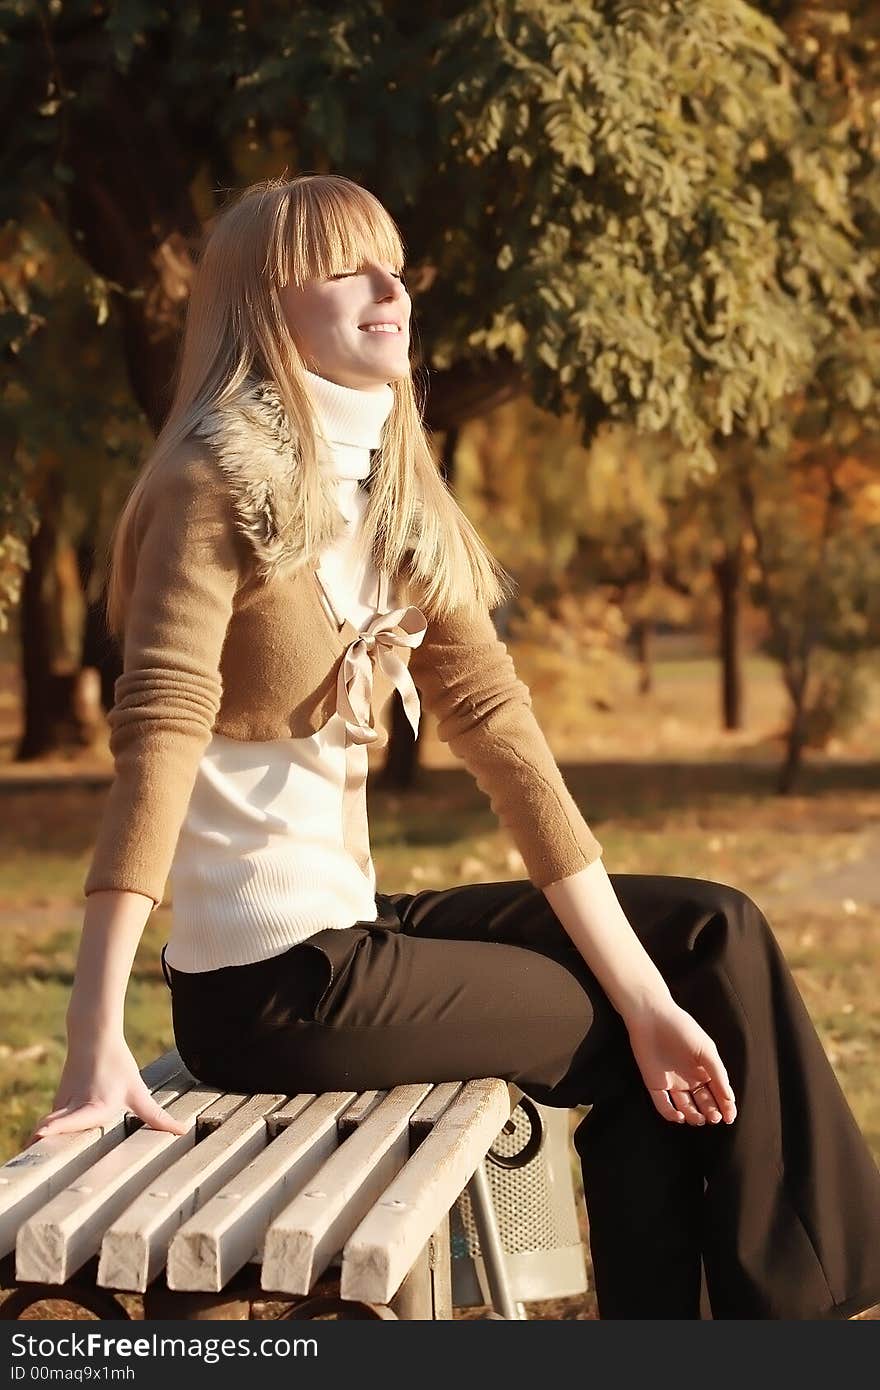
x: 155, y: 1117
x: 54, y: 1114
x: 719, y: 1083
x: 48, y: 1122
x: 706, y: 1102
x: 85, y: 1117
x: 664, y: 1106
x: 685, y: 1102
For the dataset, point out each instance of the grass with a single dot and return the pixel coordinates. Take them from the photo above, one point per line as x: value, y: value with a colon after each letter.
x: 664, y: 790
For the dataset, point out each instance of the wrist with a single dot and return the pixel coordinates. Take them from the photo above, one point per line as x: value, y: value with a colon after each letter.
x: 644, y: 1000
x: 89, y: 1027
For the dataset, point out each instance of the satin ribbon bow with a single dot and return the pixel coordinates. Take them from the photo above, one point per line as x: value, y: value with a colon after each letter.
x: 375, y: 644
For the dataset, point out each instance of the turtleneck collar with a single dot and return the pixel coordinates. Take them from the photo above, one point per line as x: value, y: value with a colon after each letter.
x: 350, y: 416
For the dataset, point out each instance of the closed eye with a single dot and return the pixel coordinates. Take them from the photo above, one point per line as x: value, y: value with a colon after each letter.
x: 345, y: 274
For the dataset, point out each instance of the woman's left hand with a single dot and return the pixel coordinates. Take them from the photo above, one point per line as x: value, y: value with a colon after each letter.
x: 680, y: 1065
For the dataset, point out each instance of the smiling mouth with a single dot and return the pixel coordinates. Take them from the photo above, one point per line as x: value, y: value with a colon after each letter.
x: 391, y: 328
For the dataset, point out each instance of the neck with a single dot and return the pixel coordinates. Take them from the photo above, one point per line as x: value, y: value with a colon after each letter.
x: 349, y: 416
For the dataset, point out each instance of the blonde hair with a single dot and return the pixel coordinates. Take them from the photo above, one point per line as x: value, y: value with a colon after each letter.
x: 273, y: 232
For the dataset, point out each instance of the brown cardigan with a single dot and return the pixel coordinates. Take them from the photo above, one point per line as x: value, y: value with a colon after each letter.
x: 226, y: 632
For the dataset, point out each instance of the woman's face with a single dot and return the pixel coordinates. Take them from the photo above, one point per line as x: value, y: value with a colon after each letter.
x: 329, y: 322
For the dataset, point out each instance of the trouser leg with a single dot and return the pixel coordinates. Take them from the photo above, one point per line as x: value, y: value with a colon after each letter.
x: 789, y: 1224
x: 791, y: 1213
x: 792, y: 1204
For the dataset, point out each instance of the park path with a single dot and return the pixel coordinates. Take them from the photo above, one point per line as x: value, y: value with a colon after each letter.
x: 857, y: 881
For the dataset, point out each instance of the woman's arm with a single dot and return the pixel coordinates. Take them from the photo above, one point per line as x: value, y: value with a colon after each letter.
x: 112, y: 928
x: 673, y: 1053
x: 589, y: 910
x: 186, y: 577
x: 100, y: 1078
x: 467, y: 679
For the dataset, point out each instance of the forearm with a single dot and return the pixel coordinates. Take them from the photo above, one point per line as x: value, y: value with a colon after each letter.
x: 588, y: 908
x: 112, y: 927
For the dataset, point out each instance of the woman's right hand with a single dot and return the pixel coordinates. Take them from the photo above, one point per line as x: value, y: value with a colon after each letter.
x: 99, y: 1082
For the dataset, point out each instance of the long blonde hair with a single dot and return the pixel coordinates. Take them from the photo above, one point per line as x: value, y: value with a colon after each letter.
x: 275, y: 231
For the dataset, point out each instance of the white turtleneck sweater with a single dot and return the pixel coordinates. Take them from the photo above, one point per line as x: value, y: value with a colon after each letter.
x: 274, y: 845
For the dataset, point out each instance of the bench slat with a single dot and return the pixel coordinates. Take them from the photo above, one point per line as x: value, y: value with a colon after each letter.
x: 286, y: 1113
x: 432, y: 1107
x: 358, y: 1111
x: 64, y: 1233
x: 218, y: 1112
x: 379, y: 1253
x: 134, y: 1248
x: 32, y: 1177
x: 227, y: 1231
x: 304, y: 1237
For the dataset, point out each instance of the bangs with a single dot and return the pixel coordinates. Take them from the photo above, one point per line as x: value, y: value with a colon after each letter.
x: 327, y: 225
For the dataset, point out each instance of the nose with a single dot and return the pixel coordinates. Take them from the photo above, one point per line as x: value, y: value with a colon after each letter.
x: 393, y: 288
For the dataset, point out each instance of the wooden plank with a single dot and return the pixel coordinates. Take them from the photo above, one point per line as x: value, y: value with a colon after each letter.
x: 225, y: 1233
x: 160, y: 1071
x: 32, y: 1177
x: 288, y: 1112
x: 311, y: 1229
x: 60, y: 1236
x: 362, y: 1106
x: 380, y: 1252
x: 134, y: 1248
x: 430, y: 1110
x: 218, y: 1112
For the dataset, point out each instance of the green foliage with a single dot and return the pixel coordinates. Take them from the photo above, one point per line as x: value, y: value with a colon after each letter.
x: 815, y: 520
x: 672, y: 232
x: 66, y: 412
x: 841, y: 699
x: 18, y: 521
x: 659, y: 211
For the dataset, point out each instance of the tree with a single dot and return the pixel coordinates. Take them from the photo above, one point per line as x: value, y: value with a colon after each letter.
x: 587, y: 187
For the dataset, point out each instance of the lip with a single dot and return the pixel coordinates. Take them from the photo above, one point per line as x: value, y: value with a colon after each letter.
x: 379, y: 323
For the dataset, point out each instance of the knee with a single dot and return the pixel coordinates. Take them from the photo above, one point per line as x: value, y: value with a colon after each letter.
x: 733, y: 902
x: 745, y: 925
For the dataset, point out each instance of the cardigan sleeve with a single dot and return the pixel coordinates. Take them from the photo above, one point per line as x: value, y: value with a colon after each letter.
x: 187, y: 562
x: 466, y: 677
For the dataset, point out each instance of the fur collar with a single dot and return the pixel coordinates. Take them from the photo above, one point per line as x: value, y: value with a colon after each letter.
x: 252, y: 440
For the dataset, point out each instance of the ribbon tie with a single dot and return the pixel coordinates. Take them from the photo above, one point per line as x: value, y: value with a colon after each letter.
x: 402, y: 627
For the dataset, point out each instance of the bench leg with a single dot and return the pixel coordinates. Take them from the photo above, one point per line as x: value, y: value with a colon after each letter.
x: 491, y: 1248
x: 413, y: 1298
x: 441, y: 1270
x: 426, y: 1292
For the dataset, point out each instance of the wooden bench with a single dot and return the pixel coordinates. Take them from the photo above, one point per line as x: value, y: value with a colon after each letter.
x: 332, y: 1205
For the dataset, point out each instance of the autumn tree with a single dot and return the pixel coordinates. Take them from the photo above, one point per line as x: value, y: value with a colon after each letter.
x: 626, y: 210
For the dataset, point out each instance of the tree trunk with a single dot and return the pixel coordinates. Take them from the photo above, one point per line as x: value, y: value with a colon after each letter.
x: 643, y: 632
x: 129, y: 211
x: 728, y: 571
x: 795, y: 744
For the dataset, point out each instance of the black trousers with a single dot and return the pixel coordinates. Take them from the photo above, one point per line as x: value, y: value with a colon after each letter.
x: 781, y: 1208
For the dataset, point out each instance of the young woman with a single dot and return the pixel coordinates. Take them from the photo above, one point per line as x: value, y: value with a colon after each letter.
x: 287, y: 559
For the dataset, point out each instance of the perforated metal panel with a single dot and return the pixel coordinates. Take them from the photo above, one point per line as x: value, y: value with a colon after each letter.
x: 537, y: 1218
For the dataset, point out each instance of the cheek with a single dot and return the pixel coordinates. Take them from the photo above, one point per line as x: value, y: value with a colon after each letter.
x: 308, y: 317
